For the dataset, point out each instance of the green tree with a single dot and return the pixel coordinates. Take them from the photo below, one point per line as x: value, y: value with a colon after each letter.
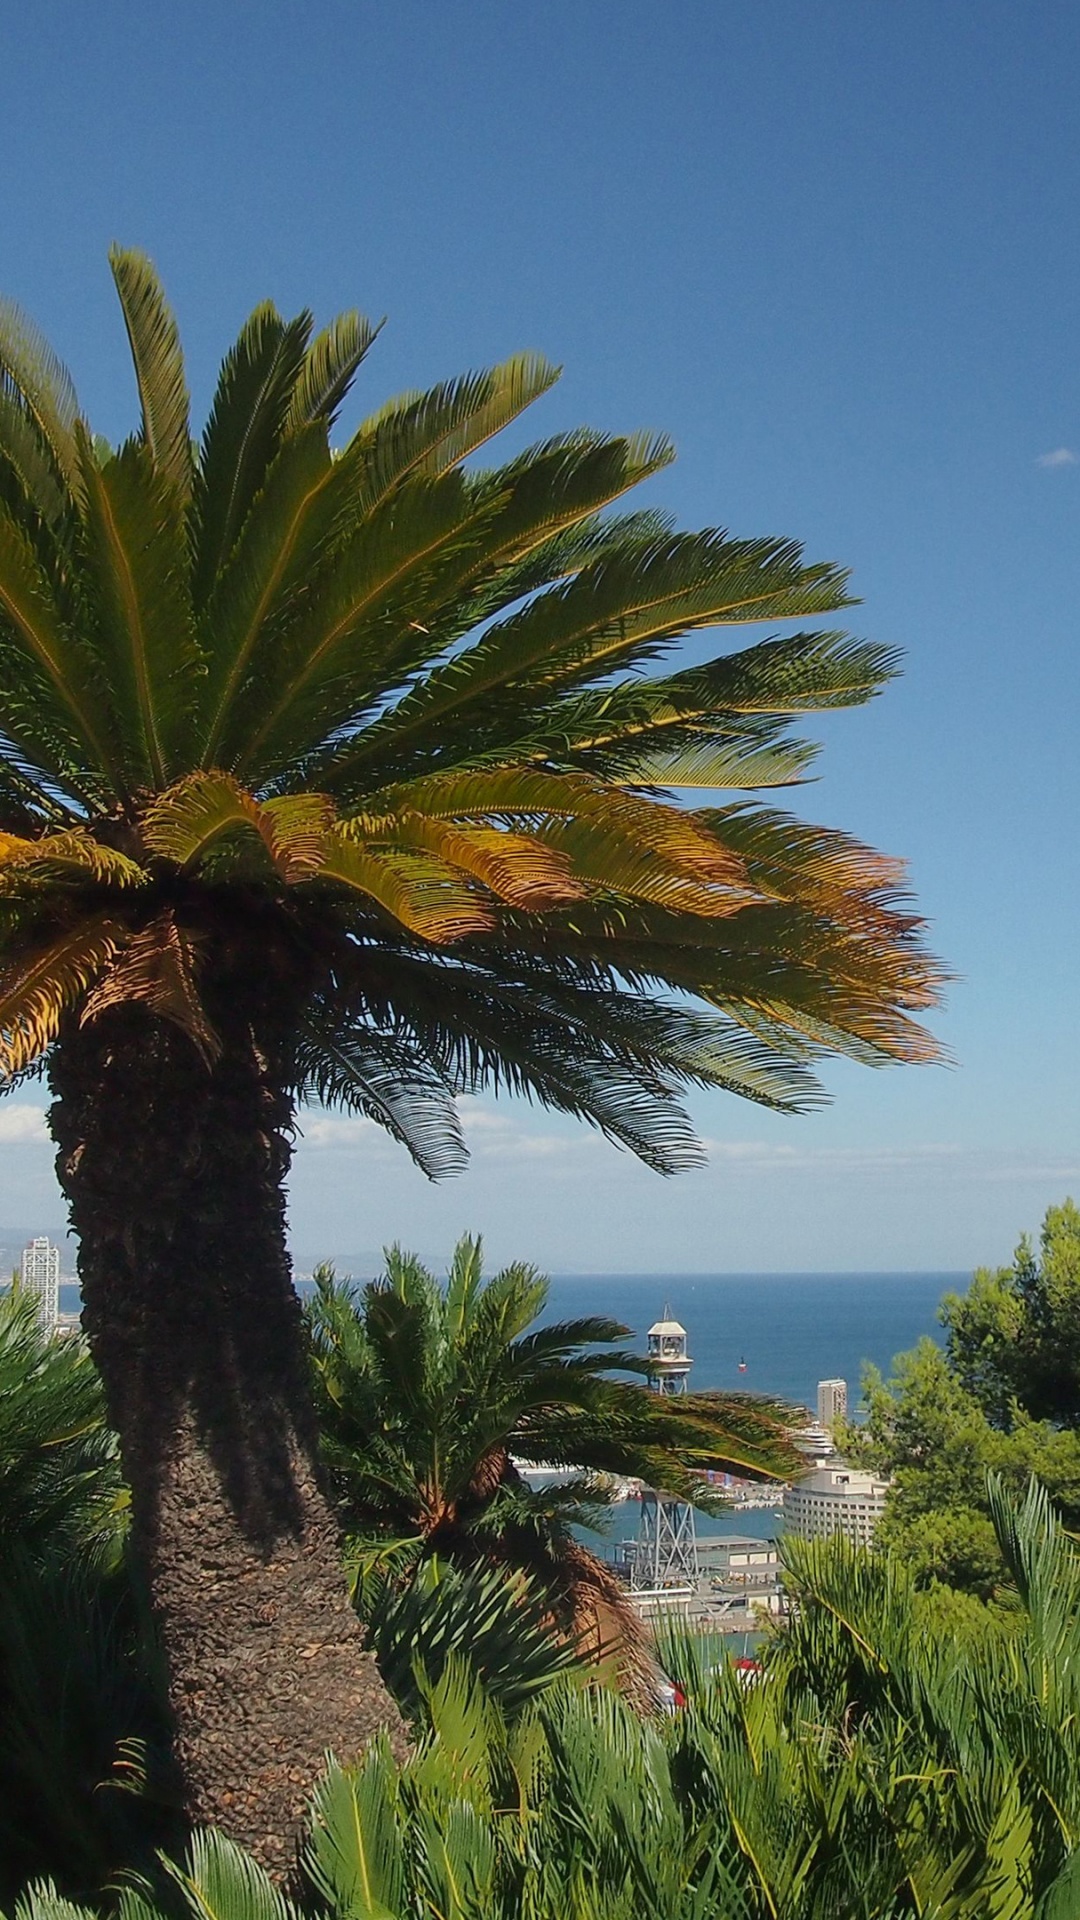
x: 335, y: 769
x: 428, y: 1394
x: 1014, y: 1337
x: 949, y: 1417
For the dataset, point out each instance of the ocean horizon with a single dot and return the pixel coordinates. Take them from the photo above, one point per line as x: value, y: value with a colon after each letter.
x: 790, y: 1329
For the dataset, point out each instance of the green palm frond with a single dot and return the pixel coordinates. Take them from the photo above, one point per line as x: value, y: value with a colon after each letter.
x: 32, y: 375
x: 328, y: 370
x: 428, y: 433
x: 50, y: 707
x: 387, y: 1079
x: 145, y: 635
x: 159, y: 367
x: 245, y: 429
x: 362, y: 629
x: 280, y: 536
x: 219, y: 1881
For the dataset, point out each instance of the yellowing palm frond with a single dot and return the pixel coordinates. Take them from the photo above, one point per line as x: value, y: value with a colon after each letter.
x: 72, y: 855
x: 422, y: 893
x: 183, y: 824
x: 156, y: 970
x: 35, y: 995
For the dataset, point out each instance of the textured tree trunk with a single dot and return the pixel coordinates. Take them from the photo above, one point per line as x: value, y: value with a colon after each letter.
x: 174, y: 1176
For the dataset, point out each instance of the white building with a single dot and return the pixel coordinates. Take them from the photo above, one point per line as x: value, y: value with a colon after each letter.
x: 831, y: 1402
x: 40, y: 1277
x: 835, y: 1499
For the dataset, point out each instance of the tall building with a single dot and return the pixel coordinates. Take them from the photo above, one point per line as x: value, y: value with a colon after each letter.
x: 831, y: 1402
x: 835, y: 1499
x: 666, y: 1553
x: 40, y: 1277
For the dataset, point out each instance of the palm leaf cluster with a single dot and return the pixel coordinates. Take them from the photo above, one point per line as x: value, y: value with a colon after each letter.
x: 60, y: 1486
x: 429, y: 1393
x: 83, y: 1759
x: 380, y: 721
x: 869, y: 1775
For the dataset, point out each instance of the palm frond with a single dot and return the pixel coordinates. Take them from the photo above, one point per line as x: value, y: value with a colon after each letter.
x: 382, y: 1076
x: 428, y: 433
x: 422, y: 893
x: 72, y: 856
x: 274, y: 550
x: 245, y: 429
x: 363, y: 625
x: 185, y: 823
x: 137, y: 570
x: 31, y: 374
x: 157, y: 970
x: 159, y: 367
x: 329, y: 369
x: 50, y: 704
x: 36, y: 992
x: 26, y: 460
x: 219, y: 1881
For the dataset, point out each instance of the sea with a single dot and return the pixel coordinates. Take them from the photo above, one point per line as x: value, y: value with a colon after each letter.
x: 790, y: 1329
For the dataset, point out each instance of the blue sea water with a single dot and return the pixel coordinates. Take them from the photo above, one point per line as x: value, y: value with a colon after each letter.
x: 792, y: 1329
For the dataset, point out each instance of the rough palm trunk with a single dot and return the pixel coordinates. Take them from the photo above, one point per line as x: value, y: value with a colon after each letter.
x: 174, y: 1176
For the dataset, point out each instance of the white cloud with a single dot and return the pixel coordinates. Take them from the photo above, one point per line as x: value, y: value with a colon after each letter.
x: 325, y: 1132
x: 18, y: 1124
x: 1058, y: 457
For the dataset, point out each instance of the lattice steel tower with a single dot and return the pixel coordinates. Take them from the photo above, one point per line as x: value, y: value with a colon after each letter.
x: 667, y: 1554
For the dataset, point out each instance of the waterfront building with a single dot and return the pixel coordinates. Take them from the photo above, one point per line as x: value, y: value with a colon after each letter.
x: 39, y: 1276
x: 666, y: 1551
x: 831, y: 1403
x: 835, y: 1499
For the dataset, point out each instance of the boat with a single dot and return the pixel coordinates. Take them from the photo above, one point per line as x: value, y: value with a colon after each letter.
x: 742, y: 1366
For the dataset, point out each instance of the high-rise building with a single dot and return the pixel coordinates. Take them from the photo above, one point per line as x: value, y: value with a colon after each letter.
x: 831, y: 1402
x: 40, y: 1277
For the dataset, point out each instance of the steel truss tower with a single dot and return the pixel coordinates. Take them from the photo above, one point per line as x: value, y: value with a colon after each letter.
x: 666, y: 1554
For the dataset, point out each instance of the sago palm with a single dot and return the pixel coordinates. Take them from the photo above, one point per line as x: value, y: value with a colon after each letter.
x: 429, y: 1395
x: 337, y: 772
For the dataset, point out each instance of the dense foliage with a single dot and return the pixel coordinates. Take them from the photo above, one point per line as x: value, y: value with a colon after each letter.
x: 869, y: 1773
x: 1002, y: 1396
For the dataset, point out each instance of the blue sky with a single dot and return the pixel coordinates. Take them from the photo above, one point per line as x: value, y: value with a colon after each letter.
x: 833, y: 250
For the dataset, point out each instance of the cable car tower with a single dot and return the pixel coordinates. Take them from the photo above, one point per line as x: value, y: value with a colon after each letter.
x: 666, y: 1554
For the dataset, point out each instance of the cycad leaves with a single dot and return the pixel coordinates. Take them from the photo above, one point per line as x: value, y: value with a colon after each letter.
x: 159, y: 367
x: 35, y: 995
x: 38, y: 382
x: 328, y: 370
x: 137, y: 566
x: 243, y: 433
x: 184, y: 824
x: 49, y: 704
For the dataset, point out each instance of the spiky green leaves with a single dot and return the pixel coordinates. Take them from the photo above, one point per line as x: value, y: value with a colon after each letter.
x: 403, y: 705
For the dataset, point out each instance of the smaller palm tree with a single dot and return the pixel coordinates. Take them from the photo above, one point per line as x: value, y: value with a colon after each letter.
x: 430, y: 1394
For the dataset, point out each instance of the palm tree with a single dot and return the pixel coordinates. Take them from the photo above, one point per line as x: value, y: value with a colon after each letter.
x: 334, y: 771
x: 429, y: 1395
